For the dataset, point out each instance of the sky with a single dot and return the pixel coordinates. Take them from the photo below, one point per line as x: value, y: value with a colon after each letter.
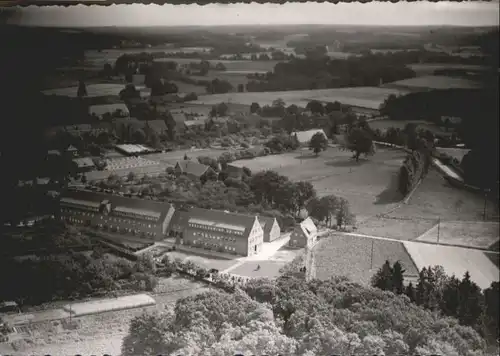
x: 473, y: 13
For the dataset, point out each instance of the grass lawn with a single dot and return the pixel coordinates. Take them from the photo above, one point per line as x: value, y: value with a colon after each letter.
x: 351, y: 257
x: 203, y: 261
x: 434, y: 199
x: 268, y: 269
x: 369, y: 185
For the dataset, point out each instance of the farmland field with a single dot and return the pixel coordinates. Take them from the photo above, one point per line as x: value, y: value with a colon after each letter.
x: 433, y: 199
x: 432, y: 82
x: 369, y: 185
x: 351, y: 257
x: 368, y: 97
x: 93, y: 90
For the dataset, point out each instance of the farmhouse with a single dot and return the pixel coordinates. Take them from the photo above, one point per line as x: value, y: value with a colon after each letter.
x: 71, y: 151
x: 224, y: 232
x: 157, y: 126
x: 305, y: 136
x: 135, y: 217
x: 304, y: 235
x: 84, y: 164
x: 271, y: 228
x: 116, y: 110
x: 194, y: 124
x: 234, y: 171
x: 192, y: 169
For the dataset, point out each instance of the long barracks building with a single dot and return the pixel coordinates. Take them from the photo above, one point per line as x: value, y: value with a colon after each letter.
x: 135, y: 217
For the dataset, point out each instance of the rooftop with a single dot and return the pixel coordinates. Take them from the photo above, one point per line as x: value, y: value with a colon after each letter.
x: 305, y: 136
x: 193, y: 168
x: 223, y: 219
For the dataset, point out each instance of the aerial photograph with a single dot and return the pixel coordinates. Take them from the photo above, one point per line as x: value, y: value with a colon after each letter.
x: 303, y: 179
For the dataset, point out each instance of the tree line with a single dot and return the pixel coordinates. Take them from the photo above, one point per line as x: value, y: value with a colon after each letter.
x: 291, y: 316
x: 451, y: 296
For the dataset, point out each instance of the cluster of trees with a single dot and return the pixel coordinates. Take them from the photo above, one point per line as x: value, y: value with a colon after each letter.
x: 72, y: 275
x: 453, y: 297
x: 317, y: 72
x: 414, y: 168
x: 290, y: 316
x: 330, y: 208
x: 478, y: 132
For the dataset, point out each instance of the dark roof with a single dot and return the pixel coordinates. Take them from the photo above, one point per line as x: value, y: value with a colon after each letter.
x: 158, y: 126
x: 193, y: 168
x: 138, y: 205
x: 267, y: 223
x: 179, y: 218
x: 223, y: 219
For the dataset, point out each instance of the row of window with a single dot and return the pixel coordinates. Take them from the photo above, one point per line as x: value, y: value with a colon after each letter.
x: 128, y: 221
x: 214, y: 246
x: 214, y: 237
x: 137, y: 216
x: 127, y: 230
x: 218, y: 229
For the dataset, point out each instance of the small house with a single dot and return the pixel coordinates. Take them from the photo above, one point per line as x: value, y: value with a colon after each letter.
x: 305, y: 235
x: 272, y: 230
x: 192, y: 169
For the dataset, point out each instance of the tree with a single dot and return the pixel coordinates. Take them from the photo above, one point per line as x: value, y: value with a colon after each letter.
x: 254, y: 108
x: 344, y: 216
x: 360, y: 142
x: 305, y: 192
x: 383, y: 278
x: 186, y: 158
x: 107, y: 70
x: 331, y: 107
x: 129, y: 92
x: 315, y: 107
x: 278, y: 103
x: 241, y: 88
x: 410, y: 292
x: 397, y: 278
x: 469, y: 308
x: 82, y: 89
x: 131, y: 176
x: 318, y: 143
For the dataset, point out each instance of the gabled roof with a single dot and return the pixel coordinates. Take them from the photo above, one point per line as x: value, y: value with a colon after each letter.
x: 100, y: 110
x: 179, y: 218
x: 308, y: 228
x: 217, y: 218
x: 305, y: 136
x: 158, y: 126
x: 84, y: 162
x: 71, y: 148
x: 138, y: 206
x: 193, y: 168
x: 267, y: 223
